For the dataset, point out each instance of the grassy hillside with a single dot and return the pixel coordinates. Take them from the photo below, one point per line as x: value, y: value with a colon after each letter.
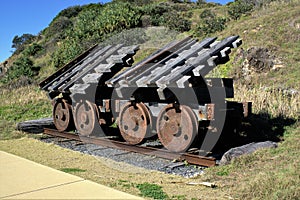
x: 277, y: 30
x: 266, y: 70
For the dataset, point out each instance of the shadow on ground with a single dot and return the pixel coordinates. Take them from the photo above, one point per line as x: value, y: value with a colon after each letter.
x: 256, y: 128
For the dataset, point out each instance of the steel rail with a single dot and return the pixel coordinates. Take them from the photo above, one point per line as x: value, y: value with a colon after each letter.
x: 189, y: 158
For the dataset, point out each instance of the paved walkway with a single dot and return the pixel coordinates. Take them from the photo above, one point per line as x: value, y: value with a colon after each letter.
x: 23, y: 179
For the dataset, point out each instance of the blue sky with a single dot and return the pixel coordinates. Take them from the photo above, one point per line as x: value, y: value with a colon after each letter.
x: 32, y: 16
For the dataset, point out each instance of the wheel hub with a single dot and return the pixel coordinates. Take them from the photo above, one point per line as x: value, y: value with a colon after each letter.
x: 62, y: 115
x: 86, y: 117
x: 176, y: 127
x: 134, y: 122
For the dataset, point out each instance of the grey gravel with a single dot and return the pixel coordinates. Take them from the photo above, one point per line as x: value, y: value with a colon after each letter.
x: 136, y: 159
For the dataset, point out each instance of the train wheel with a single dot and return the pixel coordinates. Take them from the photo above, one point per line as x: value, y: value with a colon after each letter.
x: 177, y: 127
x: 86, y: 118
x: 62, y: 115
x: 134, y: 122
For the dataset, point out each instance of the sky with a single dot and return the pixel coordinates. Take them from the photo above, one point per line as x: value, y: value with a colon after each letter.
x: 18, y: 17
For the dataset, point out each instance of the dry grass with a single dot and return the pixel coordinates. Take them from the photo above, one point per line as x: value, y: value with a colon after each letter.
x: 274, y: 102
x: 22, y: 96
x: 101, y: 170
x: 266, y: 174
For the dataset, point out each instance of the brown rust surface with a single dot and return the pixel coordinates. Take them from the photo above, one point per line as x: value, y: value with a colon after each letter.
x: 177, y: 127
x: 62, y: 115
x: 134, y: 122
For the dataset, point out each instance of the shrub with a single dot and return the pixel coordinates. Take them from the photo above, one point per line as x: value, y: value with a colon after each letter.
x: 239, y: 8
x: 135, y: 2
x: 23, y: 66
x: 19, y: 43
x: 146, y: 20
x: 156, y: 11
x: 57, y: 28
x: 66, y: 52
x: 205, y: 14
x: 94, y: 24
x: 200, y: 2
x: 128, y: 37
x: 176, y: 22
x: 165, y: 14
x: 33, y: 49
x: 70, y: 12
x: 209, y: 24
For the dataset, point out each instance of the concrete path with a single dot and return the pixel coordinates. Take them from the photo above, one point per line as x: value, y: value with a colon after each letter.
x: 23, y: 179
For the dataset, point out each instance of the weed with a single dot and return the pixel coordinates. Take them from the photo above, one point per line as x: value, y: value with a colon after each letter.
x: 113, y: 185
x: 72, y: 170
x: 125, y: 184
x: 179, y: 197
x: 122, y: 181
x: 152, y: 190
x: 223, y: 171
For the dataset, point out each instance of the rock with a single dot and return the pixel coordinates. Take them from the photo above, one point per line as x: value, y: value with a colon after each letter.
x: 255, y: 61
x: 35, y: 126
x: 245, y: 149
x: 260, y: 59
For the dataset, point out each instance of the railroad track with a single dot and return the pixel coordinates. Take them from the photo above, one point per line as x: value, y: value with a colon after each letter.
x: 161, y: 153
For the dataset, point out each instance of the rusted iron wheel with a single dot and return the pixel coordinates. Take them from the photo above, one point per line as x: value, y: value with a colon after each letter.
x: 134, y: 122
x: 86, y: 116
x: 177, y: 127
x: 62, y: 115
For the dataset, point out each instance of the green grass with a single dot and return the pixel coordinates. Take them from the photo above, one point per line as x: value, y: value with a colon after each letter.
x: 25, y: 103
x: 271, y: 28
x: 31, y: 110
